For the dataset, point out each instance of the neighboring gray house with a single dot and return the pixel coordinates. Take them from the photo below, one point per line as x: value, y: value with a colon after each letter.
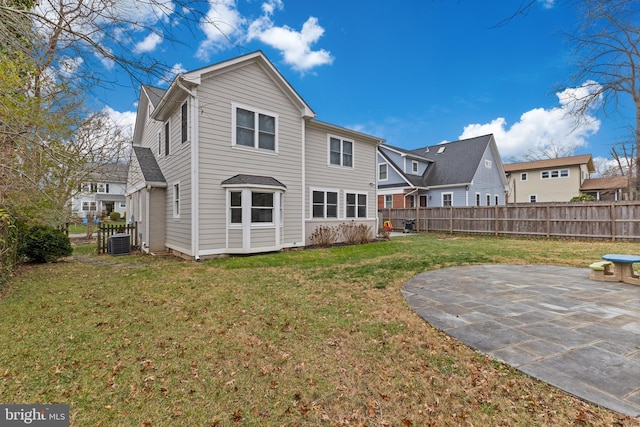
x: 468, y: 172
x: 230, y: 160
x: 103, y: 193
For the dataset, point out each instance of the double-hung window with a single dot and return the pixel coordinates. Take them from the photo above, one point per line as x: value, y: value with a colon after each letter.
x: 255, y: 129
x: 340, y: 152
x: 447, y: 199
x: 325, y: 204
x: 356, y: 205
x: 383, y: 172
x: 261, y: 207
x: 235, y: 208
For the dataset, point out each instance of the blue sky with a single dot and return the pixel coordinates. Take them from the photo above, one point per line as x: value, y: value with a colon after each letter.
x: 413, y: 72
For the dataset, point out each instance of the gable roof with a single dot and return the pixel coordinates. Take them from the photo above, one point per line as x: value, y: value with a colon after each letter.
x: 583, y: 159
x: 155, y: 94
x: 183, y: 83
x: 452, y: 163
x: 149, y: 167
x: 455, y: 162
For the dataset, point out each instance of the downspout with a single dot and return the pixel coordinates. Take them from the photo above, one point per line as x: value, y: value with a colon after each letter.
x: 304, y: 181
x: 195, y: 162
x: 147, y: 217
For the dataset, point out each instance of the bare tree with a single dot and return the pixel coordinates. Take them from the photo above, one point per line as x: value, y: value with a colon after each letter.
x: 549, y: 150
x: 607, y: 46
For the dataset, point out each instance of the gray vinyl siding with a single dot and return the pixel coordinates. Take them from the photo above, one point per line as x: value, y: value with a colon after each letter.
x: 235, y: 238
x: 361, y: 178
x: 487, y: 181
x: 177, y: 169
x: 393, y: 177
x: 251, y: 87
x: 157, y: 226
x: 459, y: 196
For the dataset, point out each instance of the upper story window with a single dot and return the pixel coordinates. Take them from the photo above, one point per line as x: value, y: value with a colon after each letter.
x: 487, y: 163
x: 255, y: 129
x: 523, y: 176
x: 340, y: 152
x: 159, y: 143
x: 102, y: 187
x: 414, y: 166
x: 383, y: 172
x: 184, y: 122
x: 167, y: 137
x: 559, y: 173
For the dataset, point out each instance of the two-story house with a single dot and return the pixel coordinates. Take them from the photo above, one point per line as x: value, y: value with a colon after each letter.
x: 103, y: 194
x: 468, y: 172
x: 231, y: 160
x: 549, y: 180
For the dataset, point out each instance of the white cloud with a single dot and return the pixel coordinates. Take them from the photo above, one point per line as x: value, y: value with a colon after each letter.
x: 125, y: 121
x: 547, y: 4
x: 540, y: 129
x: 148, y: 44
x: 221, y: 26
x: 224, y: 26
x: 295, y: 46
x: 171, y: 74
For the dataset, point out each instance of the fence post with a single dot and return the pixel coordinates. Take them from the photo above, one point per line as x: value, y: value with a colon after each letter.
x: 612, y: 214
x: 451, y: 220
x: 547, y: 213
x: 496, y: 220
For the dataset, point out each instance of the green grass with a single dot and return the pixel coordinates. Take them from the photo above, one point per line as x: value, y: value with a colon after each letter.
x: 308, y: 337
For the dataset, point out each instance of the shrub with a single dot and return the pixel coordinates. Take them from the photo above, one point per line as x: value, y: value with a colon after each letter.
x: 114, y: 216
x: 583, y: 198
x: 355, y: 233
x: 324, y: 235
x: 45, y: 244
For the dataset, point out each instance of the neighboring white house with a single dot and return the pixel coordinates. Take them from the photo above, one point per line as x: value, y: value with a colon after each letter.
x: 230, y: 159
x: 103, y: 194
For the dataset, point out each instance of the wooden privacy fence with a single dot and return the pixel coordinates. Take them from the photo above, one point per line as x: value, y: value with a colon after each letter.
x: 107, y: 230
x: 580, y: 220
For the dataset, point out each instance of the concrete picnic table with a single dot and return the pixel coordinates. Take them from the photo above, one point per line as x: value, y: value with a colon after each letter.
x: 623, y: 267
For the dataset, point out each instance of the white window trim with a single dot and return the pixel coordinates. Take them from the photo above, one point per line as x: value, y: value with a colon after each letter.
x: 524, y: 176
x: 324, y: 190
x: 386, y: 166
x: 175, y: 208
x: 533, y: 195
x: 160, y: 143
x: 390, y: 204
x: 478, y: 199
x: 257, y: 111
x: 442, y: 199
x: 357, y: 193
x: 342, y: 141
x: 246, y: 204
x: 488, y: 164
x: 415, y: 168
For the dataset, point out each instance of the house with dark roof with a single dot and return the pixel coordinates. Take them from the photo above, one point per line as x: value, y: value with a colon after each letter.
x: 230, y: 159
x: 468, y: 172
x: 548, y: 180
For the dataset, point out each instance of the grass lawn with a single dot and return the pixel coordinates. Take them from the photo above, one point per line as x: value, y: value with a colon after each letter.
x: 296, y: 338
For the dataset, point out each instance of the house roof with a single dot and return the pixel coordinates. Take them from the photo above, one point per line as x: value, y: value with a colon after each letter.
x: 155, y: 94
x: 181, y: 85
x: 454, y: 162
x: 148, y: 165
x: 111, y: 172
x: 584, y: 159
x: 607, y: 183
x: 253, y: 180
